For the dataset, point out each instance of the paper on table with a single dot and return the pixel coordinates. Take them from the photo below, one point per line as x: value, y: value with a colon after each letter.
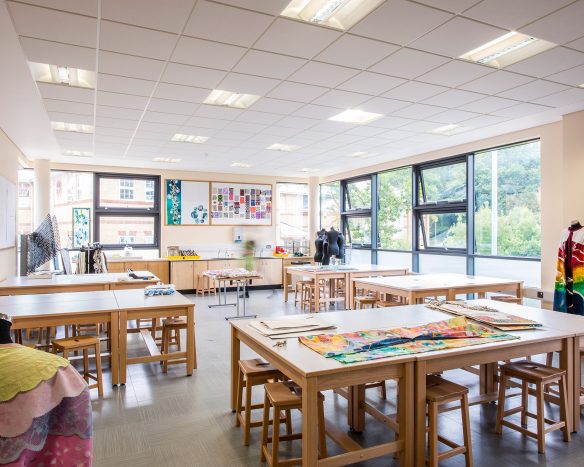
x: 297, y: 328
x: 308, y: 321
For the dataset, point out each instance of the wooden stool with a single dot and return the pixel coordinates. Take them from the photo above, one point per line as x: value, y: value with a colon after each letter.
x: 171, y: 328
x: 362, y: 301
x: 286, y: 396
x: 308, y: 299
x: 439, y: 392
x: 204, y: 286
x: 252, y: 373
x: 381, y: 386
x: 299, y: 287
x: 84, y: 343
x: 390, y: 300
x: 539, y: 375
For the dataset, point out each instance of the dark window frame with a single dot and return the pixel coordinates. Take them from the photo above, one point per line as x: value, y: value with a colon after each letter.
x: 103, y: 211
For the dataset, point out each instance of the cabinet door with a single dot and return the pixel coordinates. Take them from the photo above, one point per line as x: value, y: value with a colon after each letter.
x: 118, y: 266
x: 273, y: 271
x: 198, y: 269
x: 160, y: 269
x: 260, y: 267
x: 181, y: 274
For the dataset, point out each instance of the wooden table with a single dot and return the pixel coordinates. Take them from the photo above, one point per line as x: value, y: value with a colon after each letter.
x: 559, y: 333
x: 60, y: 309
x: 347, y: 272
x: 133, y: 304
x: 414, y: 288
x: 20, y: 285
x: 315, y: 373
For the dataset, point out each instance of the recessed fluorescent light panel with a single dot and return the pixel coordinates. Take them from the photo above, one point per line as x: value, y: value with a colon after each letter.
x: 171, y: 160
x: 339, y: 14
x: 507, y: 49
x: 360, y: 155
x: 243, y: 165
x: 450, y: 130
x: 180, y: 138
x: 75, y: 153
x: 283, y: 147
x: 74, y: 127
x: 65, y: 75
x: 356, y: 116
x: 230, y: 99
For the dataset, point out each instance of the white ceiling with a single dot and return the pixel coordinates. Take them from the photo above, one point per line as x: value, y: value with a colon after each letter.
x: 158, y: 60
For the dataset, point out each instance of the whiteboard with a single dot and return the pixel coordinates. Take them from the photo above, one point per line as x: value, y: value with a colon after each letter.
x: 7, y: 214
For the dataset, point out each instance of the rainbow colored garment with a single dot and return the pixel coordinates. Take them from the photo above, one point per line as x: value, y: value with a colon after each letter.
x: 360, y: 346
x: 45, y: 410
x: 569, y: 286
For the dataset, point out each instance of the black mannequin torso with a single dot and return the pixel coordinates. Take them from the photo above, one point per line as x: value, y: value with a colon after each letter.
x: 333, y: 240
x: 319, y: 246
x: 5, y: 331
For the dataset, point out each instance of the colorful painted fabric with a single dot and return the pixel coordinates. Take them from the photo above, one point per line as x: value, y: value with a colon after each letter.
x: 48, y: 420
x: 569, y: 284
x: 359, y: 346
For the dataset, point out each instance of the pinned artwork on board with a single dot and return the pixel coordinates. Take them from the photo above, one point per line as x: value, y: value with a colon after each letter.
x: 187, y: 202
x: 241, y: 204
x: 81, y: 226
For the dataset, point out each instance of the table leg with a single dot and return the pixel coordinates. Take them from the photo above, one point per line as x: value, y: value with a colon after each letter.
x: 123, y: 345
x: 356, y: 408
x: 235, y: 355
x: 406, y: 413
x: 316, y: 295
x: 285, y: 279
x: 309, y: 423
x: 349, y: 292
x: 114, y: 348
x: 567, y: 364
x: 191, y: 363
x: 420, y: 414
x: 577, y: 383
x: 520, y: 290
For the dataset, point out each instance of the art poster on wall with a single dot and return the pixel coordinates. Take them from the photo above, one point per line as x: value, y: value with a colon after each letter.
x: 241, y: 204
x: 187, y: 202
x: 81, y: 226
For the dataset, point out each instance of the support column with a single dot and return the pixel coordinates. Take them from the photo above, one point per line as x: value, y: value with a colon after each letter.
x: 42, y: 190
x: 313, y: 210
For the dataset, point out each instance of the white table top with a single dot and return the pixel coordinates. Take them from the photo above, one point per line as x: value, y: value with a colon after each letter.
x: 344, y: 268
x: 310, y: 363
x: 434, y: 281
x: 134, y: 299
x: 70, y: 279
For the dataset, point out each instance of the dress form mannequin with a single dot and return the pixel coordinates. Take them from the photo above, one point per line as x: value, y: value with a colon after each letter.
x: 341, y: 245
x: 319, y: 246
x: 333, y: 241
x: 326, y: 255
x: 5, y: 325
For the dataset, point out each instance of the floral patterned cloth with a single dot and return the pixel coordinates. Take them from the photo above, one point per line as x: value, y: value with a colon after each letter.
x: 47, y: 420
x: 360, y: 346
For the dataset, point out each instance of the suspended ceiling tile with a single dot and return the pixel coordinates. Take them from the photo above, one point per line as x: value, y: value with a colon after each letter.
x: 452, y: 116
x: 259, y: 117
x: 521, y: 110
x: 122, y: 84
x: 453, y: 98
x: 309, y: 40
x: 224, y: 23
x: 418, y: 111
x: 341, y: 99
x: 317, y: 111
x: 130, y: 66
x: 387, y: 23
x: 169, y: 15
x: 573, y: 76
x: 178, y: 92
x: 118, y: 112
x: 53, y: 25
x: 187, y: 75
x: 249, y: 84
x: 496, y: 82
x: 54, y: 105
x: 53, y: 53
x: 66, y: 93
x: 371, y: 83
x: 322, y: 74
x: 297, y: 92
x: 133, y: 40
x: 563, y: 26
x: 414, y: 91
x: 348, y: 51
x: 409, y: 63
x: 383, y: 106
x: 560, y: 99
x: 549, y: 62
x: 533, y: 90
x: 115, y: 99
x: 171, y: 106
x: 454, y: 6
x: 488, y: 104
x: 455, y: 73
x: 446, y: 39
x: 277, y: 106
x: 207, y: 54
x: 70, y: 118
x: 268, y: 64
x: 272, y: 7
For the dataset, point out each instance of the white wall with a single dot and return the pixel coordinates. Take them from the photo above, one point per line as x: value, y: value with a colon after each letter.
x: 9, y: 164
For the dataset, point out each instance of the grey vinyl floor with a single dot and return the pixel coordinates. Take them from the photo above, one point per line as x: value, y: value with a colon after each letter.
x: 174, y: 420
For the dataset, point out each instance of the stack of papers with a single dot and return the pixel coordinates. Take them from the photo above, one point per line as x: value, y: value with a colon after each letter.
x: 486, y: 315
x: 287, y: 328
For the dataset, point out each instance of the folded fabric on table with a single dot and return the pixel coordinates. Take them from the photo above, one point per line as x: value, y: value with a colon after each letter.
x: 359, y: 346
x: 45, y: 410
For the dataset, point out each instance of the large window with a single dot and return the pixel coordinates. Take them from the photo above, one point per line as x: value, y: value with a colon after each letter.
x: 292, y: 214
x: 395, y: 209
x: 330, y: 205
x: 474, y: 213
x: 69, y: 190
x: 25, y: 213
x: 127, y: 210
x: 508, y: 204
